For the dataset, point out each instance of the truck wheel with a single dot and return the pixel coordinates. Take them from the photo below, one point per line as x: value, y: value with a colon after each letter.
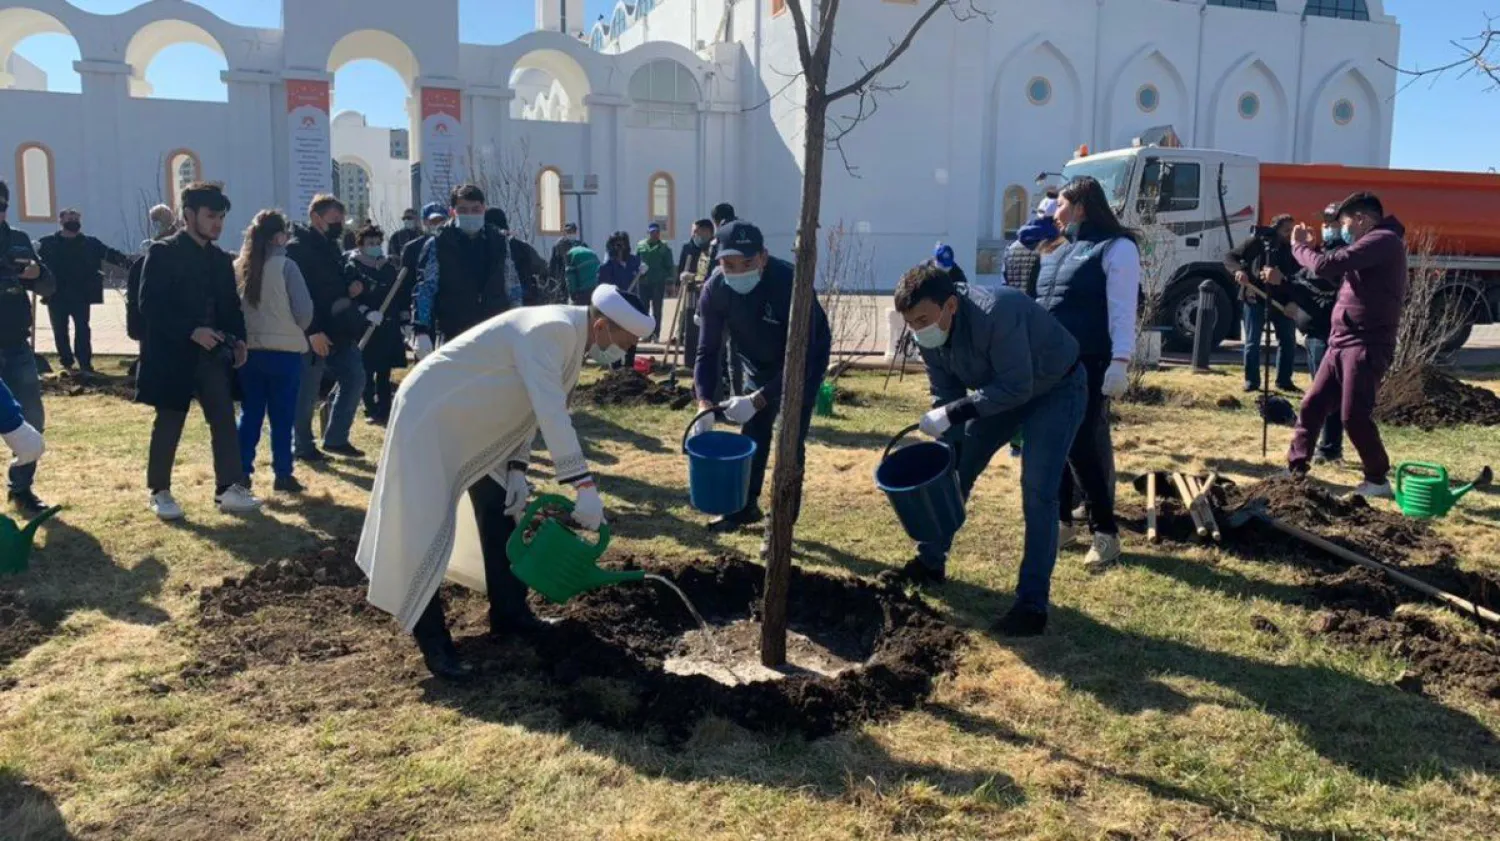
x: 1180, y: 314
x: 1458, y: 306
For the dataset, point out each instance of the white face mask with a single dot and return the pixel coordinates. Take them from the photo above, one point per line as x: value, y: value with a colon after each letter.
x: 373, y: 252
x: 930, y: 337
x: 743, y: 283
x: 471, y: 223
x: 606, y: 357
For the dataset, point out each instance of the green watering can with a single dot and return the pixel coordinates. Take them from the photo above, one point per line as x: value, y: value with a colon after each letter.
x: 823, y: 408
x: 15, y: 542
x: 558, y: 563
x: 1422, y: 490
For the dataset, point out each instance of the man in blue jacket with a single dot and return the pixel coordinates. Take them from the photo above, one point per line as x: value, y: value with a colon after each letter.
x: 997, y: 362
x: 23, y: 439
x: 749, y: 296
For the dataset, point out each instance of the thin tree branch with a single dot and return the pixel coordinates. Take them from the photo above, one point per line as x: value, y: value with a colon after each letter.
x: 791, y: 80
x: 1476, y: 58
x: 905, y: 43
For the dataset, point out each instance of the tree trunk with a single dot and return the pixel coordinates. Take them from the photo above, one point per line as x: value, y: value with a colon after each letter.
x: 786, y: 479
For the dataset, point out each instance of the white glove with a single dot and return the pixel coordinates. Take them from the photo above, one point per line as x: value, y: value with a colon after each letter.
x: 374, y: 317
x: 407, y: 333
x: 517, y: 493
x: 26, y: 443
x: 588, y: 508
x: 740, y: 409
x: 686, y: 277
x: 935, y: 422
x: 422, y: 347
x: 1116, y: 379
x: 702, y: 425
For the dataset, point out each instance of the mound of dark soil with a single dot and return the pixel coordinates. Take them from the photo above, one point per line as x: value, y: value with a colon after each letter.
x: 1229, y: 402
x: 1437, y: 655
x: 626, y: 387
x: 1430, y: 399
x: 23, y: 626
x: 1361, y: 605
x: 605, y: 656
x: 67, y: 383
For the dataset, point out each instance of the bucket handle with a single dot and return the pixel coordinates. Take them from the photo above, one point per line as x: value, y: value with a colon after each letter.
x: 894, y: 441
x: 714, y: 410
x: 562, y: 502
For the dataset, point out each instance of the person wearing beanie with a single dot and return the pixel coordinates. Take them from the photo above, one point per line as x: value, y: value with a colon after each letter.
x: 463, y: 423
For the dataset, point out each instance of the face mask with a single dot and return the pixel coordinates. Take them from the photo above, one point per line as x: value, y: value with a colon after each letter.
x: 335, y: 230
x: 607, y: 357
x: 72, y: 227
x: 743, y: 283
x: 371, y: 251
x: 931, y: 337
x: 701, y: 242
x: 1348, y: 235
x: 1071, y: 231
x: 412, y: 224
x: 471, y: 223
x: 1329, y: 233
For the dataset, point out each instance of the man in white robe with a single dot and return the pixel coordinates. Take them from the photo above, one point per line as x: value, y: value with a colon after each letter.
x: 463, y: 422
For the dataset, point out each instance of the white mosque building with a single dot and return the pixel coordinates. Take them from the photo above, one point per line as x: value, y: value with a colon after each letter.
x: 667, y: 107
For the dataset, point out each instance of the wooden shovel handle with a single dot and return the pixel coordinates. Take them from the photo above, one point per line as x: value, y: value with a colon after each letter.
x: 1187, y: 499
x: 1151, y: 534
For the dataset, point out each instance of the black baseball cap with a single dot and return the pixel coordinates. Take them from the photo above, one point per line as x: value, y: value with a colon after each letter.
x: 740, y: 239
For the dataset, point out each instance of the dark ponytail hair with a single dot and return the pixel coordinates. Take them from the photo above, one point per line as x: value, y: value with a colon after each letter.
x: 264, y: 228
x: 1085, y: 190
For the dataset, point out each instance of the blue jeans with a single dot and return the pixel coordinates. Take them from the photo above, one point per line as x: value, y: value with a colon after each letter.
x: 1286, y: 344
x: 346, y: 366
x: 760, y: 428
x: 18, y: 371
x: 1331, y: 441
x: 270, y: 381
x: 1048, y: 425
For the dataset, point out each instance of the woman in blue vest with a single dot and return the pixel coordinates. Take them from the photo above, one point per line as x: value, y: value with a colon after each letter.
x: 1091, y: 285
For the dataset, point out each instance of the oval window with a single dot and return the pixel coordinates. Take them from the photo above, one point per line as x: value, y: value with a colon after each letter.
x: 1343, y: 112
x: 1039, y: 91
x: 1147, y: 98
x: 1249, y: 106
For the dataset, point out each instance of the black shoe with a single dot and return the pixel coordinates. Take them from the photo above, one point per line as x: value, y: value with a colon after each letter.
x: 1021, y: 623
x: 918, y: 572
x: 445, y: 664
x: 514, y: 624
x: 27, y: 502
x: 1251, y: 388
x: 313, y: 456
x: 734, y: 522
x: 287, y: 484
x: 345, y: 450
x: 1289, y: 388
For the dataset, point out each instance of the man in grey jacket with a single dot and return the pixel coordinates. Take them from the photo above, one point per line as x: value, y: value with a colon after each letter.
x: 998, y: 363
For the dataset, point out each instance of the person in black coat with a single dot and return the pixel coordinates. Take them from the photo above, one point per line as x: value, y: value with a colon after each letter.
x: 21, y: 274
x: 385, y: 349
x: 193, y: 339
x: 411, y: 228
x: 75, y: 260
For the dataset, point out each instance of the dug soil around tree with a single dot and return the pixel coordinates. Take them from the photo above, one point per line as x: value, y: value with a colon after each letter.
x: 1355, y: 605
x: 627, y: 387
x: 1428, y: 398
x: 69, y: 383
x: 23, y: 625
x: 297, y: 638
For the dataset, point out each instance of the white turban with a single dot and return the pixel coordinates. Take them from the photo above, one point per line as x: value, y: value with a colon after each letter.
x: 623, y: 309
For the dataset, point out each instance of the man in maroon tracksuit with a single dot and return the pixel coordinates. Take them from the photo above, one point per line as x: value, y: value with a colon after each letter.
x: 1363, y: 341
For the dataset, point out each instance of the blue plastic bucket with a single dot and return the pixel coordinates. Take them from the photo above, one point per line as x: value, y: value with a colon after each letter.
x: 922, y: 485
x: 718, y: 469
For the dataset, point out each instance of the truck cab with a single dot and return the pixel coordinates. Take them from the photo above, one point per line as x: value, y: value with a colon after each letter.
x: 1190, y: 206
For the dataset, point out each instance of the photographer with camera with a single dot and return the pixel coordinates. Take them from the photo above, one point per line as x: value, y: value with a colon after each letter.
x: 193, y: 340
x: 21, y: 273
x: 1252, y: 264
x: 76, y: 260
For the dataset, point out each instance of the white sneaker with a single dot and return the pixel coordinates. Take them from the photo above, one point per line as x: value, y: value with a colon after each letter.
x: 237, y: 500
x: 1067, y: 535
x: 1371, y: 490
x: 164, y: 506
x: 1105, y: 551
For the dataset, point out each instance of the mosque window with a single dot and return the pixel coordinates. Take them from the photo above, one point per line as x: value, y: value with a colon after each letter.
x: 665, y: 95
x: 183, y: 168
x: 1257, y: 5
x: 663, y: 200
x: 1016, y: 199
x: 1342, y: 9
x: 1039, y: 91
x: 617, y: 24
x: 1343, y: 112
x: 36, y: 189
x: 644, y: 7
x: 596, y: 40
x: 551, y: 211
x: 1148, y: 98
x: 1249, y: 106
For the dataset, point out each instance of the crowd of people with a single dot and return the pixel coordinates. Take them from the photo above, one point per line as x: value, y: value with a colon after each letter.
x: 312, y: 316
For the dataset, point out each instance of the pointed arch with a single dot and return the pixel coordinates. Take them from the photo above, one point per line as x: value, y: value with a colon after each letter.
x: 1176, y: 88
x: 1316, y: 113
x: 1264, y: 133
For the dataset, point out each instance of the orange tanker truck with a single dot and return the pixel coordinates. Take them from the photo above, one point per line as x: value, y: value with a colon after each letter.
x: 1205, y: 198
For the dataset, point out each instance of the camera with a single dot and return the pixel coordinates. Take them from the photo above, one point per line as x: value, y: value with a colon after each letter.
x: 223, y: 353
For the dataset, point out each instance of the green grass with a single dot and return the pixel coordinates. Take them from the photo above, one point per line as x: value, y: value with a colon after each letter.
x: 1150, y: 710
